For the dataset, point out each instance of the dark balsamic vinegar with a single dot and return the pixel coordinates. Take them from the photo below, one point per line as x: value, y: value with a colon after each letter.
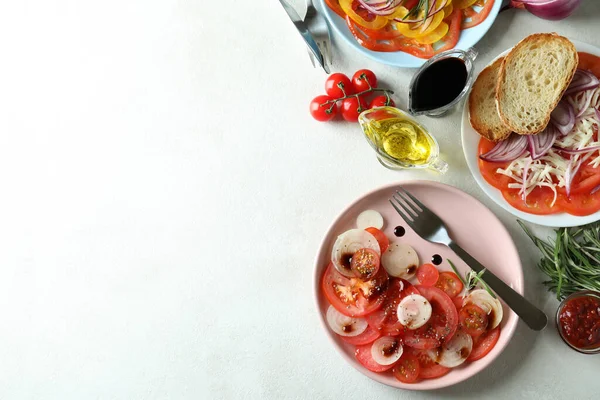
x: 439, y: 84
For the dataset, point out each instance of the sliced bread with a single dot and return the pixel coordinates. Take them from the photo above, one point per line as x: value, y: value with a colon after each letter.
x: 533, y: 78
x: 483, y: 112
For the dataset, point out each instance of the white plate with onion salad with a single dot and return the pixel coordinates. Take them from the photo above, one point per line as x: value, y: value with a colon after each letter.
x: 558, y: 169
x: 406, y: 312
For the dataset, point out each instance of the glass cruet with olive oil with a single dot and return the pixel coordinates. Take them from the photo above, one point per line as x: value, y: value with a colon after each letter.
x: 399, y: 141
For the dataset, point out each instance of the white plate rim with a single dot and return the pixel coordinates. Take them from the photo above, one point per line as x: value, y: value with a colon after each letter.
x: 467, y: 132
x: 401, y: 59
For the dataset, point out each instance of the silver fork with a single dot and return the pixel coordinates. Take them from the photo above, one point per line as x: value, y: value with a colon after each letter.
x: 430, y: 227
x: 320, y: 30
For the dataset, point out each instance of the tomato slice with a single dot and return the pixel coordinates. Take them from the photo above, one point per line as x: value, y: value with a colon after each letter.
x: 473, y: 320
x: 335, y: 6
x: 580, y: 204
x: 449, y: 283
x: 363, y: 355
x: 480, y: 16
x: 368, y: 336
x: 483, y: 344
x: 458, y: 302
x: 429, y: 369
x: 488, y: 169
x: 392, y: 45
x: 586, y: 180
x: 353, y: 296
x: 589, y: 62
x: 365, y: 263
x: 442, y: 324
x: 451, y: 38
x: 427, y: 274
x: 383, y: 240
x: 385, y: 319
x: 539, y: 201
x: 407, y: 370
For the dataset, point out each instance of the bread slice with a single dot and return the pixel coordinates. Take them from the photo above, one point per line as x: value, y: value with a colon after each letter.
x: 483, y: 112
x: 533, y: 78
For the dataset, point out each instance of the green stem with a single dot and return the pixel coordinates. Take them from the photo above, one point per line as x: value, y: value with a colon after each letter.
x: 386, y: 91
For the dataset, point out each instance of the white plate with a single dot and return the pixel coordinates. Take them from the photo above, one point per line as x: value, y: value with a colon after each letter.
x: 470, y: 142
x: 468, y: 38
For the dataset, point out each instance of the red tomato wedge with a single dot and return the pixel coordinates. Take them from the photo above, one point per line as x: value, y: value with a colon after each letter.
x: 442, y: 324
x: 368, y: 336
x: 451, y: 39
x: 429, y: 369
x: 363, y: 355
x: 385, y: 319
x: 450, y: 283
x: 383, y: 240
x: 483, y: 344
x: 427, y: 274
x: 473, y: 319
x: 354, y: 297
x: 407, y: 369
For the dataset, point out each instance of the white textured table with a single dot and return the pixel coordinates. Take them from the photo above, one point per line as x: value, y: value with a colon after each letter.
x: 164, y: 192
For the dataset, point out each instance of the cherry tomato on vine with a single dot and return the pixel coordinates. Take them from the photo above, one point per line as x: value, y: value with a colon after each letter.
x: 381, y: 101
x: 363, y: 79
x: 351, y: 107
x: 320, y: 111
x: 335, y: 83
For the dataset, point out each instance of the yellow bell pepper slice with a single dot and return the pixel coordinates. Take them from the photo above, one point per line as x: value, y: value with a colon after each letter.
x: 434, y: 36
x: 448, y: 10
x: 377, y: 23
x: 415, y: 29
x: 461, y: 4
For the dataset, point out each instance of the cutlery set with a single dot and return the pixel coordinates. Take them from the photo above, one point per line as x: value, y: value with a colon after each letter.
x: 315, y: 32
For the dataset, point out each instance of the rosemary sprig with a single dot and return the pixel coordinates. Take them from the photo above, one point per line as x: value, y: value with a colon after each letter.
x: 571, y: 260
x: 472, y: 279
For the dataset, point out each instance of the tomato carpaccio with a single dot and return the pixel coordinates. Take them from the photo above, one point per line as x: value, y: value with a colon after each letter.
x: 376, y: 305
x: 584, y: 196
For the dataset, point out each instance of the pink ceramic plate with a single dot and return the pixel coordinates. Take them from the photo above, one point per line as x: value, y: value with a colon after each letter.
x: 471, y: 224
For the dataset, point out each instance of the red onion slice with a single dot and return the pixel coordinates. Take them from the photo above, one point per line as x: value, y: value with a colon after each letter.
x: 588, y: 100
x: 582, y: 80
x: 524, y: 185
x: 576, y: 151
x: 507, y: 150
x: 542, y: 142
x: 386, y: 10
x: 570, y: 174
x: 563, y: 117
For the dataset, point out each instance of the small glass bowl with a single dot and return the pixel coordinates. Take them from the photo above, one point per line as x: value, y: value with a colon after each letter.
x: 468, y: 57
x: 583, y: 293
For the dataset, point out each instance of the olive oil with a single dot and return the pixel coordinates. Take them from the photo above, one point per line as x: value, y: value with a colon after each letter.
x: 400, y: 141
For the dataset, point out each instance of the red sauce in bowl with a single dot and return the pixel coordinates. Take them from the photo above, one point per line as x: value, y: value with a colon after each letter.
x: 579, y: 321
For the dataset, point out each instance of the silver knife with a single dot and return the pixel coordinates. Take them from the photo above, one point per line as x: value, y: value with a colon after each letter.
x: 306, y: 35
